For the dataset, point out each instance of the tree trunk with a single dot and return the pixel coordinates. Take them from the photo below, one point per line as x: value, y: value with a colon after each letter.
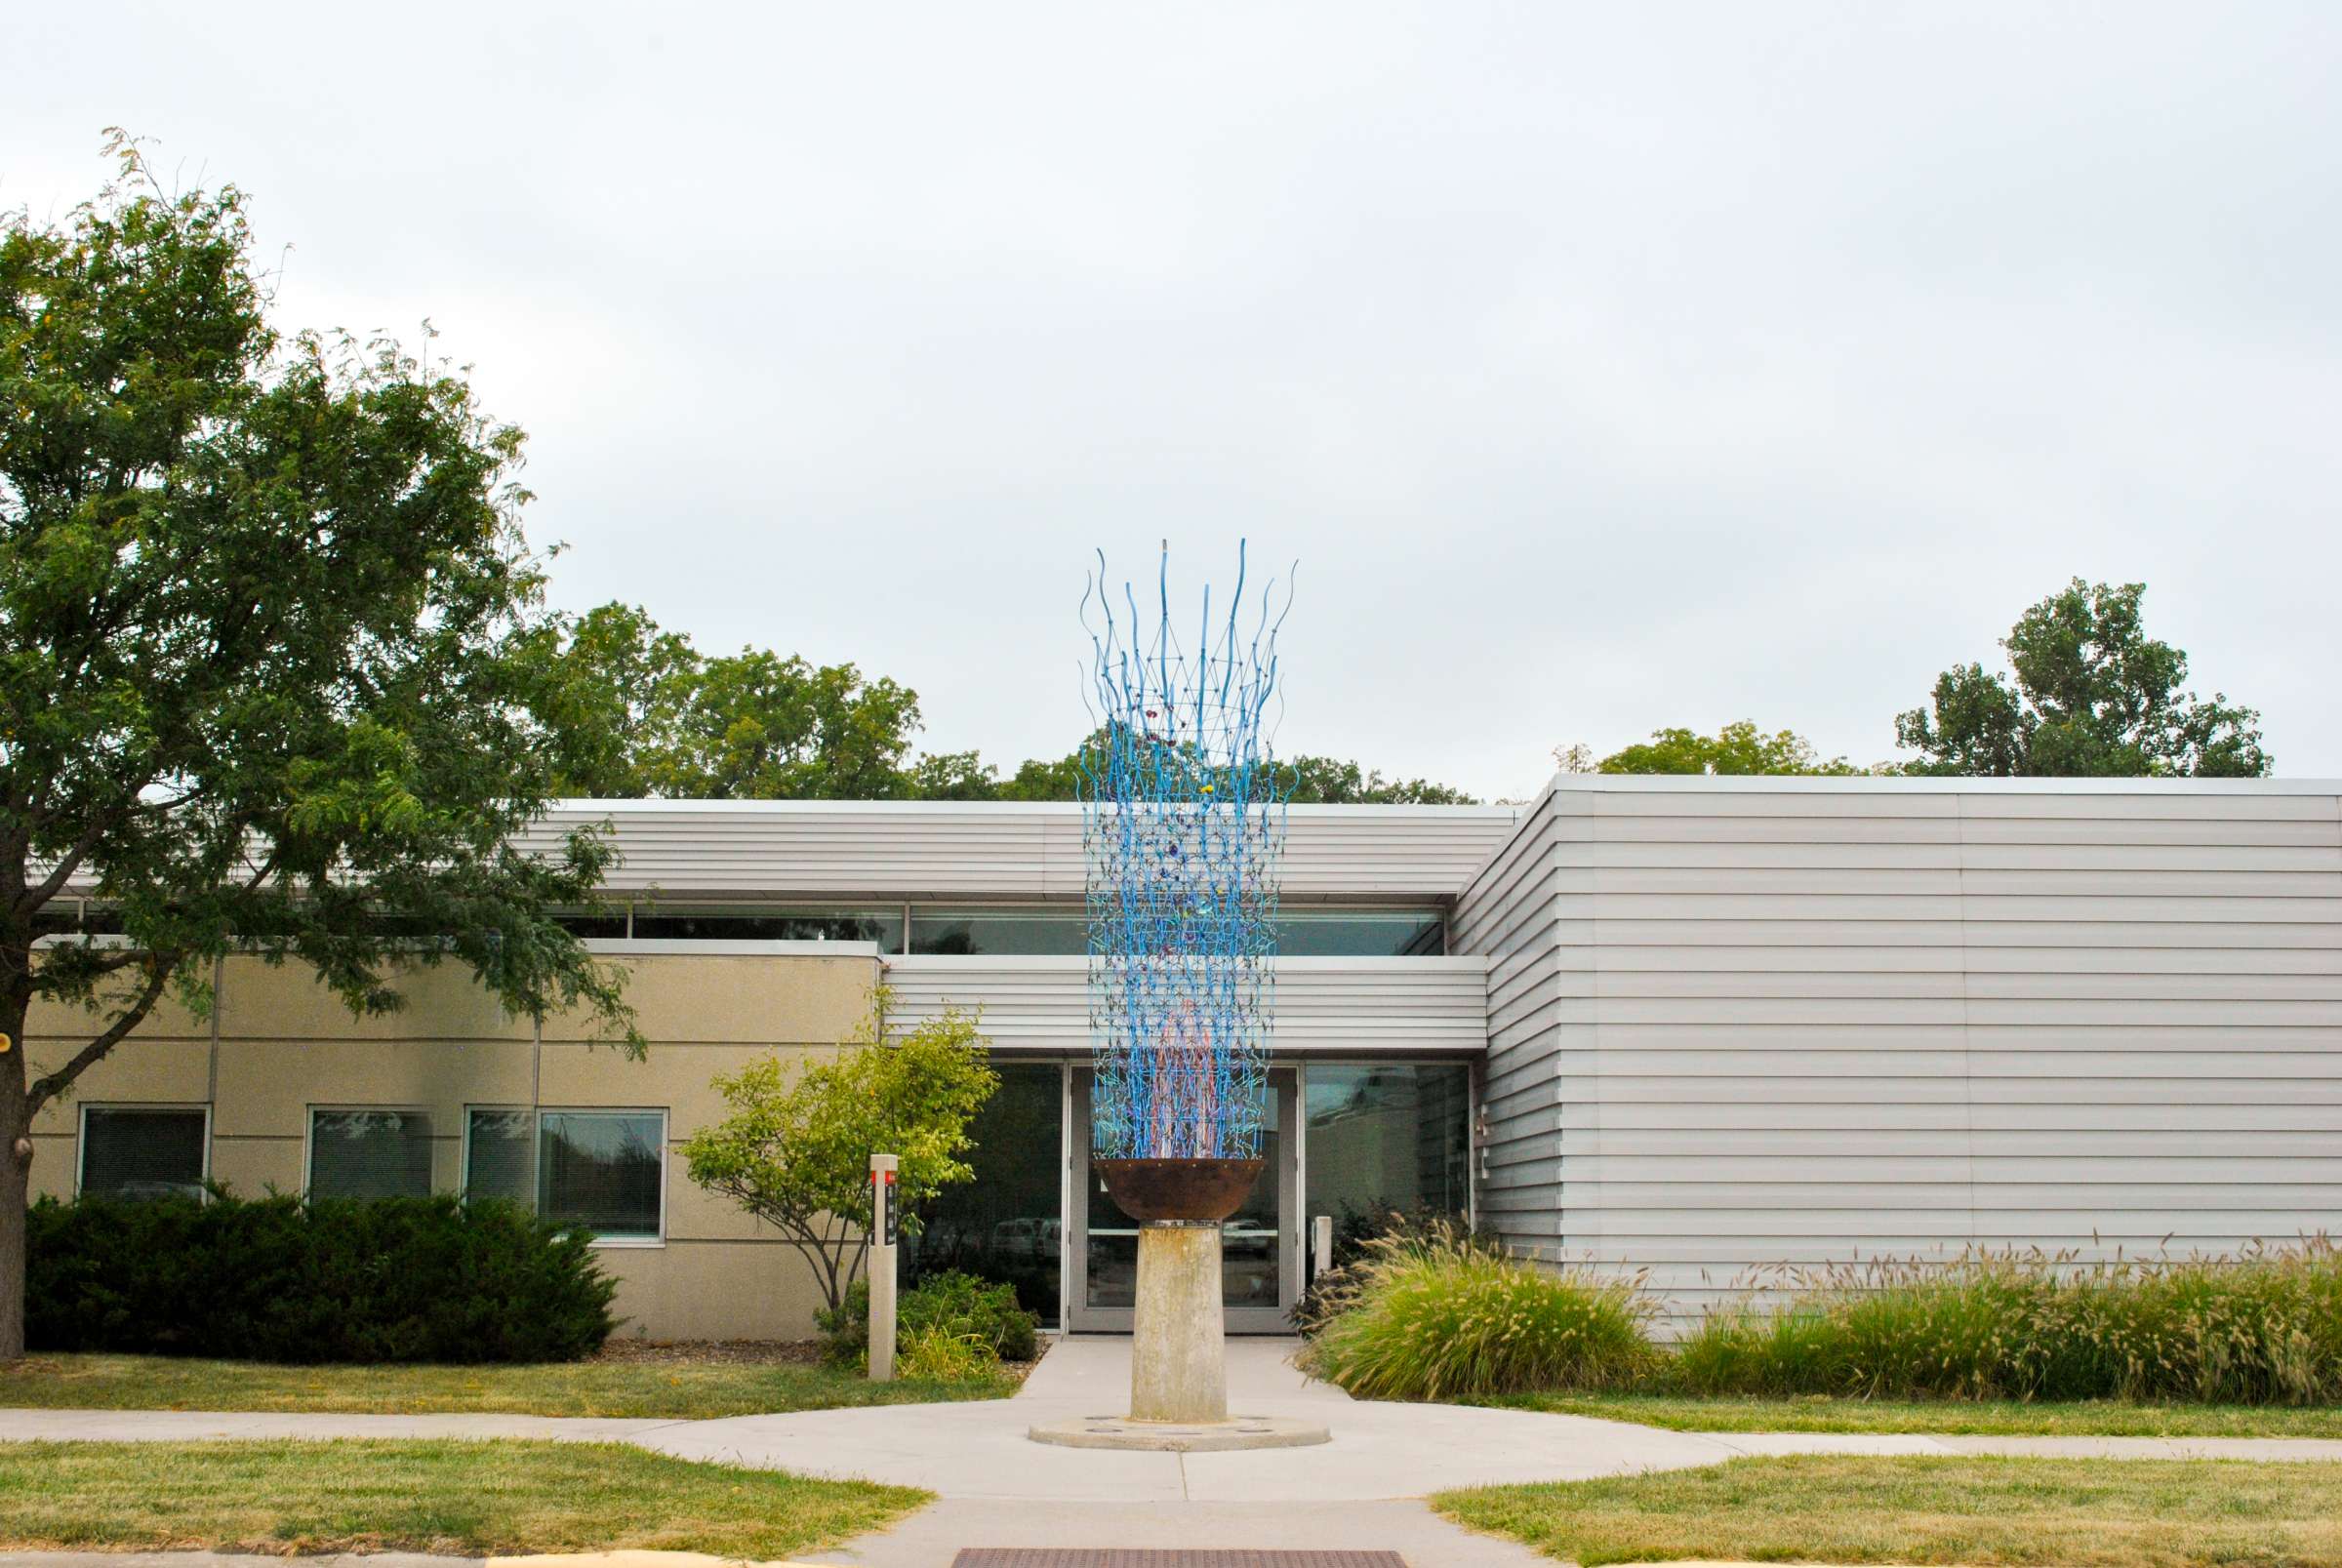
x: 15, y: 1180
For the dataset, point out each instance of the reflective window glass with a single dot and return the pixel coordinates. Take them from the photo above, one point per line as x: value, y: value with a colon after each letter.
x: 1387, y: 1137
x: 750, y: 923
x: 370, y: 1154
x: 602, y: 1169
x: 1361, y: 934
x: 138, y: 1153
x: 999, y: 931
x: 500, y: 1155
x: 1007, y: 1224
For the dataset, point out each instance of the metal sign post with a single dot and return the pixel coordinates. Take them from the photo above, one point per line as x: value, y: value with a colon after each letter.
x: 886, y: 1228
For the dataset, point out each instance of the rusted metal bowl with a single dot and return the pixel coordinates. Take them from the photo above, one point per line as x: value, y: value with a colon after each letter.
x: 1178, y: 1189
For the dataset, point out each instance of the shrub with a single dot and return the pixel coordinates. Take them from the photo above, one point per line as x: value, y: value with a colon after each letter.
x: 955, y: 1305
x: 1439, y: 1314
x: 1333, y: 1289
x: 281, y: 1279
x: 934, y: 1354
x: 2265, y: 1328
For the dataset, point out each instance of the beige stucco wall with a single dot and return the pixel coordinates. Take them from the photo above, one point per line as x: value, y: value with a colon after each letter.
x: 278, y: 1044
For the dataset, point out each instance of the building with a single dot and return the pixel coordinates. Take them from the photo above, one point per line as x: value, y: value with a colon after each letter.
x: 1695, y: 1026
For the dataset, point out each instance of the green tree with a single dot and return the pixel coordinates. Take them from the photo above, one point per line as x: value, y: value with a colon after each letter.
x: 263, y: 604
x: 1330, y: 781
x: 614, y: 689
x: 2092, y: 696
x: 760, y: 726
x: 1314, y: 781
x: 795, y: 1151
x: 1737, y: 748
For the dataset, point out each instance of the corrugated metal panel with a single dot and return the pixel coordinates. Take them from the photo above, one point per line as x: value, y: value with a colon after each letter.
x: 900, y: 849
x: 1765, y: 1021
x: 1324, y: 1006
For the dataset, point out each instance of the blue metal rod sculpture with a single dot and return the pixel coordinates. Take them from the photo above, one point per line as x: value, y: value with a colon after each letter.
x: 1184, y: 823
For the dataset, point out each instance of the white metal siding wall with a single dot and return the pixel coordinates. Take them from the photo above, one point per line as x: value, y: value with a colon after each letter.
x: 1324, y: 1006
x: 846, y: 849
x: 1733, y: 1024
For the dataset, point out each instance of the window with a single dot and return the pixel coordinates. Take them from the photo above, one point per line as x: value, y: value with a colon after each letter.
x: 500, y: 1155
x: 752, y: 923
x: 1007, y: 1225
x: 999, y: 931
x: 370, y: 1153
x: 603, y: 1169
x: 1301, y: 933
x: 1361, y: 934
x: 1388, y: 1137
x: 130, y: 1153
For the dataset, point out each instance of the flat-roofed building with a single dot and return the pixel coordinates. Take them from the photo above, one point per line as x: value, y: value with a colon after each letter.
x: 1697, y: 1025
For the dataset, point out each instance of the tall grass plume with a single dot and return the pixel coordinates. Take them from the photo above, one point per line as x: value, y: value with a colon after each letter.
x: 1436, y: 1313
x: 2261, y: 1328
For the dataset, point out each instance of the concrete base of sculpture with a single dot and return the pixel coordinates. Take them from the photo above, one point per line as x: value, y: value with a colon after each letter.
x: 1178, y: 1352
x: 1176, y: 1437
x: 1179, y: 1360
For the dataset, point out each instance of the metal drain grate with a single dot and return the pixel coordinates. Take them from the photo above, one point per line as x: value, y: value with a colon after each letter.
x: 1129, y: 1557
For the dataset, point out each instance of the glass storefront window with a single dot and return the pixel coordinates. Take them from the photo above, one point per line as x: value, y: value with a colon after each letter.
x: 750, y: 923
x: 1384, y: 1138
x: 1007, y: 1225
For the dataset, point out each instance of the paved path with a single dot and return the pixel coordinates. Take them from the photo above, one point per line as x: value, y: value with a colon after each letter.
x: 996, y: 1488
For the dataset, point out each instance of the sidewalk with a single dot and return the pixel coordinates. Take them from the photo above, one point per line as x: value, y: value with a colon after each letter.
x: 998, y: 1489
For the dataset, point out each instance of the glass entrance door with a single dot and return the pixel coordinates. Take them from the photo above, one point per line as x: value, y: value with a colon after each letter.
x: 1260, y: 1246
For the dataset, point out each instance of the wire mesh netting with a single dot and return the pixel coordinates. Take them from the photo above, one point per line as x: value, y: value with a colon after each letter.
x: 1183, y: 824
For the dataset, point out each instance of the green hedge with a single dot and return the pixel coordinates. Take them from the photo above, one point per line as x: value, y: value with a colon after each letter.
x: 281, y: 1279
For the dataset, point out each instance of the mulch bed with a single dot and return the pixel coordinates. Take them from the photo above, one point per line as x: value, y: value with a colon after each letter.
x: 711, y: 1353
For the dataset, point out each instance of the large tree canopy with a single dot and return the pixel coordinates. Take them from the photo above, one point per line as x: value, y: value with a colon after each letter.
x: 2091, y: 695
x: 644, y: 713
x: 264, y: 612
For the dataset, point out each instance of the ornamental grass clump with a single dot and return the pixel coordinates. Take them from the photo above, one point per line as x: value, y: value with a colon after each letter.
x: 2262, y: 1328
x: 1437, y: 1314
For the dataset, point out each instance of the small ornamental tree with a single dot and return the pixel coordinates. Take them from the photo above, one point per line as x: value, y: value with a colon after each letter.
x: 797, y: 1149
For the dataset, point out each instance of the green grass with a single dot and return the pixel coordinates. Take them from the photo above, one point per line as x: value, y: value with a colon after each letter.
x: 2094, y: 1418
x: 676, y: 1390
x: 469, y: 1498
x: 2073, y: 1514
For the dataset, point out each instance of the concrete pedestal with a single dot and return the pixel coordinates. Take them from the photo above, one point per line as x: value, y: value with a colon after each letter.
x: 1179, y: 1360
x: 1178, y: 1367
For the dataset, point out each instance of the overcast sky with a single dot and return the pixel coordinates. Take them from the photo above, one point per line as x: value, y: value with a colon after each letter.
x: 1605, y: 367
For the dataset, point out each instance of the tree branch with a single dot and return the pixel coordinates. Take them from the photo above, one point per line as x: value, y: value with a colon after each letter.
x: 46, y: 1088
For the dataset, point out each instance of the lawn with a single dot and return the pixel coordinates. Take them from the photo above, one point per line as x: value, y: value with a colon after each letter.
x: 2090, y: 1418
x: 464, y: 1498
x: 2074, y: 1513
x: 682, y: 1385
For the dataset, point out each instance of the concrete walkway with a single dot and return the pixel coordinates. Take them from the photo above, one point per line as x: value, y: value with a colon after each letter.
x: 998, y: 1489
